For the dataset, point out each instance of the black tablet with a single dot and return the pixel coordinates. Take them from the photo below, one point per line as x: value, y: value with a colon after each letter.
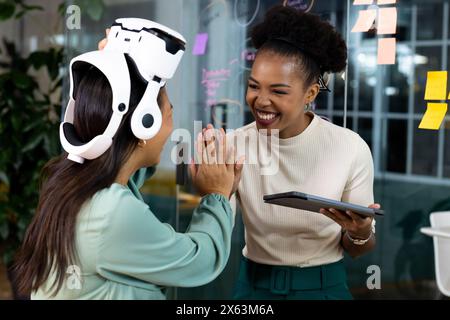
x: 309, y: 202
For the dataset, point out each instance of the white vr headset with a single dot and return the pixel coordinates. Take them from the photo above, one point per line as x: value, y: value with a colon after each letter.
x: 156, y: 51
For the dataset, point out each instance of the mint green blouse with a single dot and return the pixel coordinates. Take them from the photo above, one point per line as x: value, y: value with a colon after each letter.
x: 125, y: 252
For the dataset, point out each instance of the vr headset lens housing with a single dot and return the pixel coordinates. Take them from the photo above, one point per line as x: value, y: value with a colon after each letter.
x: 156, y: 52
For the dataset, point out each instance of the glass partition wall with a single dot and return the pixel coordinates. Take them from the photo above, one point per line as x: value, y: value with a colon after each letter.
x: 384, y: 104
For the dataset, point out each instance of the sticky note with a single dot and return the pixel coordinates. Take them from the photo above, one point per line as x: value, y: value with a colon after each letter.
x: 436, y: 87
x: 365, y: 20
x: 201, y: 40
x: 361, y: 2
x: 433, y: 116
x: 386, y: 50
x: 386, y: 2
x: 387, y: 21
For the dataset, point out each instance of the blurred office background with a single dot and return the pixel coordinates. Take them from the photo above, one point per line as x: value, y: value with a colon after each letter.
x: 384, y: 105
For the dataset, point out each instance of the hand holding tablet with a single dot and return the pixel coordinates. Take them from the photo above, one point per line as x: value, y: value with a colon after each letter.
x: 355, y: 219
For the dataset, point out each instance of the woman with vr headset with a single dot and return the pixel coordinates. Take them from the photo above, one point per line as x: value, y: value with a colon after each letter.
x: 93, y: 236
x: 290, y: 253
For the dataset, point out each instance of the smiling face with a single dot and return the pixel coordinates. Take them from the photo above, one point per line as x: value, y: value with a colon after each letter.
x: 277, y: 94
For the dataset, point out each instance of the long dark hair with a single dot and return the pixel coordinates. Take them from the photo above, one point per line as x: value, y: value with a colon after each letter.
x: 49, y: 243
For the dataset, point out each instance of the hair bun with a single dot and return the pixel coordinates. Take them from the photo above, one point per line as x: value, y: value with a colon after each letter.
x: 316, y: 37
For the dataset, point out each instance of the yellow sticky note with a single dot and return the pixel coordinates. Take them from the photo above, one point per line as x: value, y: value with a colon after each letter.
x: 436, y: 87
x: 386, y: 2
x: 361, y: 2
x: 365, y: 20
x: 434, y: 116
x: 387, y: 21
x: 386, y: 50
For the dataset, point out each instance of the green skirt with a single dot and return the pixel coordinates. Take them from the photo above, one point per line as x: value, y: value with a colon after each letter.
x: 258, y: 281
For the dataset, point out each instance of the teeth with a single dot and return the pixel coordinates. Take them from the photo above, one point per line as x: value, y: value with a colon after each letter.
x: 266, y: 116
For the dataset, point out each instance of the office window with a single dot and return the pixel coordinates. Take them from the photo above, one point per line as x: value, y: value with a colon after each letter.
x: 338, y: 94
x: 431, y: 57
x: 425, y: 151
x: 364, y: 129
x: 364, y: 78
x: 321, y: 102
x: 427, y: 11
x: 396, y: 89
x: 339, y: 120
x: 447, y: 150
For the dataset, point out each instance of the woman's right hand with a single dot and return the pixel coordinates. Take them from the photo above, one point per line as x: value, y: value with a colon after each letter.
x: 213, y: 174
x: 104, y: 41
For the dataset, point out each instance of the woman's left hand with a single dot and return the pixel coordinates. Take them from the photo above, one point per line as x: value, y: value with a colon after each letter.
x: 357, y: 226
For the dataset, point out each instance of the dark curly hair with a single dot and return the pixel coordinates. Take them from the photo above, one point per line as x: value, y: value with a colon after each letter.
x: 288, y: 32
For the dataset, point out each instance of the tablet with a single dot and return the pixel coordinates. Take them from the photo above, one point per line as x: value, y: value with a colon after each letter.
x: 309, y: 202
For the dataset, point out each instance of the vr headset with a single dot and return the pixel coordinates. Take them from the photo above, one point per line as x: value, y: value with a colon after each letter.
x: 156, y: 52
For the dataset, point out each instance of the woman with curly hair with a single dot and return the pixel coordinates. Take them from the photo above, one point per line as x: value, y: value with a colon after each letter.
x: 290, y: 253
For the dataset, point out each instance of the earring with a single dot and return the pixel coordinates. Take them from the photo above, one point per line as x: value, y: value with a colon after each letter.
x: 310, y: 106
x: 145, y: 142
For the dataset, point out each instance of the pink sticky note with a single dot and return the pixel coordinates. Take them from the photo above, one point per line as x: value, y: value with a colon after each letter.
x: 387, y: 21
x: 201, y: 40
x: 386, y: 2
x: 361, y: 2
x: 386, y: 50
x: 365, y: 20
